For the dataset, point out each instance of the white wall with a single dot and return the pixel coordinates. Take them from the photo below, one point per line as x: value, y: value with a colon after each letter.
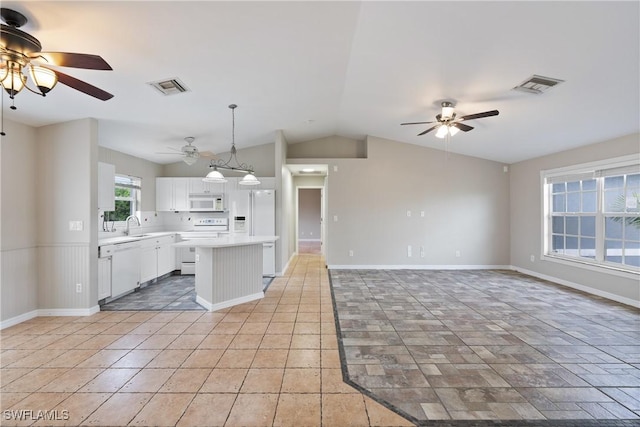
x: 526, y: 219
x: 67, y: 184
x: 465, y: 201
x: 135, y: 166
x: 285, y: 224
x: 18, y: 226
x: 48, y: 178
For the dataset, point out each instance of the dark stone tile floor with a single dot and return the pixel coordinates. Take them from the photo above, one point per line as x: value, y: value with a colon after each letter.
x: 448, y: 347
x: 175, y: 293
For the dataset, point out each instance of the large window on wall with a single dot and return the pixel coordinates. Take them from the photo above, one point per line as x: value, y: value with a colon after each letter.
x: 592, y: 214
x: 127, y: 197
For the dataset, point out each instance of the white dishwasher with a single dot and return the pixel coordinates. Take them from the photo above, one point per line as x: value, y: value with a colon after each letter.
x: 125, y: 267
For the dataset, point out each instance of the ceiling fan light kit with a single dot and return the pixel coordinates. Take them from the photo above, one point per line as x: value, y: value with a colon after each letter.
x: 232, y: 164
x: 447, y: 123
x: 17, y: 71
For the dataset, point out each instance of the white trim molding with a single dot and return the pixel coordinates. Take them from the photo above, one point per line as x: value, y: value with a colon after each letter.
x: 18, y: 319
x: 230, y: 303
x: 49, y: 312
x: 573, y: 285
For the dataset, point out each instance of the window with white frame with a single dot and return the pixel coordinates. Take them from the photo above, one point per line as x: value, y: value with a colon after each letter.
x: 592, y: 213
x: 127, y: 197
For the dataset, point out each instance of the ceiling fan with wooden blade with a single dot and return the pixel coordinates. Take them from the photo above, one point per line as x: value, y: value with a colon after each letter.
x: 24, y: 63
x: 448, y: 124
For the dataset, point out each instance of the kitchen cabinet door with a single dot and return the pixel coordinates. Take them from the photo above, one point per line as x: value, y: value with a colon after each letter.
x: 164, y: 194
x: 106, y: 185
x: 181, y: 194
x: 104, y: 278
x: 166, y: 255
x: 197, y: 185
x: 148, y: 262
x: 172, y: 194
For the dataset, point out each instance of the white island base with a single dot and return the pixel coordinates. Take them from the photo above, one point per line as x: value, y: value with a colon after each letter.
x: 228, y: 270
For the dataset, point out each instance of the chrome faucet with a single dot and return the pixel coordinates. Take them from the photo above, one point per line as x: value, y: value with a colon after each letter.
x: 127, y: 221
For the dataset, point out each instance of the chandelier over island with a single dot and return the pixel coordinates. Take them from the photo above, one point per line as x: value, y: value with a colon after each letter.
x: 232, y: 163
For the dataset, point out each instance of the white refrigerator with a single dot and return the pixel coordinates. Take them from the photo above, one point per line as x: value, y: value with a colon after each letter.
x: 254, y: 212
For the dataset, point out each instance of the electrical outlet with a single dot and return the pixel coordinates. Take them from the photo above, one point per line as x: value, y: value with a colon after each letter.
x: 76, y: 226
x: 78, y: 288
x: 421, y: 251
x: 350, y: 252
x: 335, y: 168
x: 197, y: 257
x: 335, y: 218
x: 532, y: 258
x: 409, y: 251
x: 408, y: 213
x: 457, y: 254
x: 422, y: 214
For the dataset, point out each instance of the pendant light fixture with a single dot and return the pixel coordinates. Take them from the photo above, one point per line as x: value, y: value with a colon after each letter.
x: 232, y: 164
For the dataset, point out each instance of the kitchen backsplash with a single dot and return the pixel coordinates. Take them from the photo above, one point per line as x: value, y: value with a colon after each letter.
x: 151, y: 221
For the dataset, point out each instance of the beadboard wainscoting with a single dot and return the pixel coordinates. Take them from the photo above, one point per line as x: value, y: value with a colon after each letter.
x: 19, y: 269
x: 222, y: 287
x: 61, y: 267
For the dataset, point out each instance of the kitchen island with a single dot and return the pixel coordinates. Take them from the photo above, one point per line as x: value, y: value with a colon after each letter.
x: 228, y: 269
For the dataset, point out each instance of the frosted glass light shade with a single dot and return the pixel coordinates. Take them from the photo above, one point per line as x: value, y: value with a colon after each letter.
x: 214, y: 176
x: 14, y: 80
x: 442, y: 131
x: 43, y: 78
x: 249, y: 179
x: 453, y: 130
x: 190, y: 159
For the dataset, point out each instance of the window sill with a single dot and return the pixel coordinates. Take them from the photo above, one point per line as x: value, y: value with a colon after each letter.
x: 600, y: 268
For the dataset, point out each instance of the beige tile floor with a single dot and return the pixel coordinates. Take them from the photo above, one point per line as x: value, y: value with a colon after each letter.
x: 269, y: 362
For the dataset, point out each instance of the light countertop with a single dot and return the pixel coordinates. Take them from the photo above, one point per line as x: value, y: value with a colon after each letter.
x: 133, y: 238
x: 226, y: 241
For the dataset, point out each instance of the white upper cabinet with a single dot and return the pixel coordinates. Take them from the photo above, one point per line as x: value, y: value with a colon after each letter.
x: 197, y: 185
x: 172, y: 194
x: 106, y: 185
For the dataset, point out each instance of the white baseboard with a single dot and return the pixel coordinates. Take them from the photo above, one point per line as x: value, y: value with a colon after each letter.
x: 68, y: 311
x: 598, y: 292
x: 226, y: 304
x: 419, y: 267
x: 309, y: 240
x: 18, y: 319
x: 49, y: 312
x: 281, y: 273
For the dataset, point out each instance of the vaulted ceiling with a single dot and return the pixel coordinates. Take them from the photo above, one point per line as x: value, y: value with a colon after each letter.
x: 316, y: 69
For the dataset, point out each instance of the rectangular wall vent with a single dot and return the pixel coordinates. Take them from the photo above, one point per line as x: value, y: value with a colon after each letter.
x: 537, y: 84
x: 169, y: 86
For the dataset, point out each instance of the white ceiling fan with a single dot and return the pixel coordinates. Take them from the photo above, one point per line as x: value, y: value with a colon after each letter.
x: 190, y: 153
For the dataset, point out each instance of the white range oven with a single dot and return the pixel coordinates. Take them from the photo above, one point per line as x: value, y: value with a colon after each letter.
x: 203, y: 228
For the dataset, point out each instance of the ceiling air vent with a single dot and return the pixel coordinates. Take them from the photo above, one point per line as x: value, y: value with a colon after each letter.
x: 537, y: 84
x: 169, y: 86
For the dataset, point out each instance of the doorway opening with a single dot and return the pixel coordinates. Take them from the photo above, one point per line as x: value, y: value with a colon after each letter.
x: 309, y: 230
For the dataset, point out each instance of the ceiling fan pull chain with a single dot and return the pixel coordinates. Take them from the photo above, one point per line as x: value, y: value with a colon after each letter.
x: 2, y: 115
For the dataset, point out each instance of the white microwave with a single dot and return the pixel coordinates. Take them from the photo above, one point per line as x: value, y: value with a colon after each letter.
x: 205, y: 202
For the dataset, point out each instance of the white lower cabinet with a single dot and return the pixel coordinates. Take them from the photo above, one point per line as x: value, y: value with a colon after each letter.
x: 104, y: 278
x: 148, y: 260
x: 157, y: 257
x: 166, y: 255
